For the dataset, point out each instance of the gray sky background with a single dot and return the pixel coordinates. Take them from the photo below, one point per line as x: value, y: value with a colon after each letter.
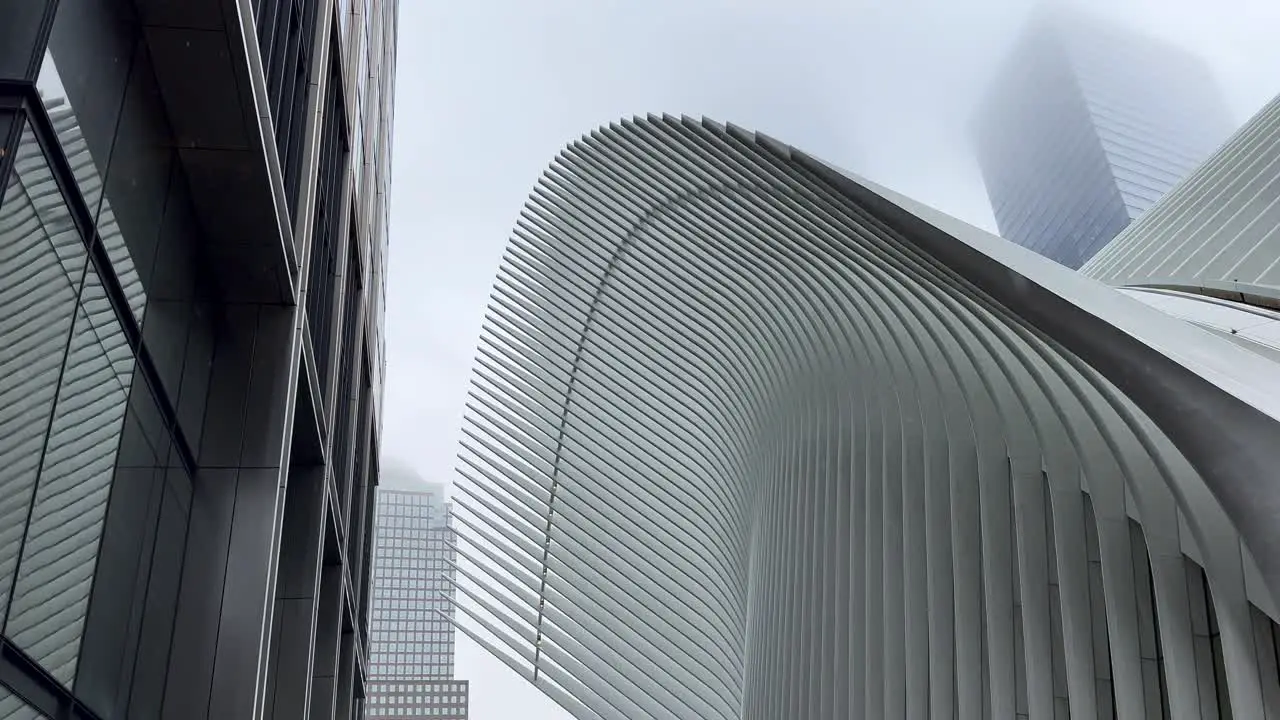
x: 489, y: 91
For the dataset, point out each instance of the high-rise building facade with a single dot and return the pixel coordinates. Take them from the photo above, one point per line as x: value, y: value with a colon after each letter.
x: 1085, y: 126
x: 751, y: 437
x: 192, y: 252
x: 411, y: 646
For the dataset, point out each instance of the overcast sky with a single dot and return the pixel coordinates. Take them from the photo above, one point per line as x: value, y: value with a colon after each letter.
x: 490, y: 90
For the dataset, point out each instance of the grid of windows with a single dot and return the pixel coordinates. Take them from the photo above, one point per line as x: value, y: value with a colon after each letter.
x: 411, y: 642
x: 446, y: 700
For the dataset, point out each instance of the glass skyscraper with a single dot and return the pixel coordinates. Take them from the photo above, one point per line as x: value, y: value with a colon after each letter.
x: 411, y: 637
x: 192, y: 250
x: 1085, y: 127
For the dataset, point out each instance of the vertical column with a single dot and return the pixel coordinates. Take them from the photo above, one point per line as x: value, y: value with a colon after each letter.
x: 1098, y: 617
x: 1148, y: 635
x: 1061, y: 693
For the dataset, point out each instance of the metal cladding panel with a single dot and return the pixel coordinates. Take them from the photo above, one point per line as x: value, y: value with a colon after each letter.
x: 751, y: 437
x: 1217, y: 231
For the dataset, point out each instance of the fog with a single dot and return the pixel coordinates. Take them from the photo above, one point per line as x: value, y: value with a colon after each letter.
x: 489, y: 91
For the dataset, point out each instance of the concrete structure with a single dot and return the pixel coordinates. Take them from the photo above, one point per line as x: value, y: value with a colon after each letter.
x: 751, y: 437
x: 411, y: 638
x: 192, y: 247
x: 1086, y: 126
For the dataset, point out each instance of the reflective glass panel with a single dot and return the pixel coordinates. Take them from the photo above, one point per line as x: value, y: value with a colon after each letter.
x: 55, y: 574
x: 86, y: 161
x: 42, y: 261
x: 12, y: 707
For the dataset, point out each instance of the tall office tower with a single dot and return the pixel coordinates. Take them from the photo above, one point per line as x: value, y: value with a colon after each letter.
x: 1085, y: 127
x: 411, y: 638
x: 755, y: 438
x: 192, y: 251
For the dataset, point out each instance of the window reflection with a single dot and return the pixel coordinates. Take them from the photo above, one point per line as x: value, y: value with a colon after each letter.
x: 12, y: 707
x: 85, y: 167
x: 55, y: 574
x: 97, y: 82
x: 84, y: 454
x: 42, y: 262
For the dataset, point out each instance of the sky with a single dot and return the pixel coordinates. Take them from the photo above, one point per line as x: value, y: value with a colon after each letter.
x: 489, y: 91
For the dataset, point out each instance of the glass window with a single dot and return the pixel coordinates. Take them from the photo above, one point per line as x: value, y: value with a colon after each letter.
x: 12, y: 707
x: 95, y: 89
x: 47, y: 613
x: 76, y: 423
x: 42, y: 263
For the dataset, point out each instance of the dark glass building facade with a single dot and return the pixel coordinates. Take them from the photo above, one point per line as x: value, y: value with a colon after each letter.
x: 1085, y: 127
x: 411, y: 643
x: 192, y: 251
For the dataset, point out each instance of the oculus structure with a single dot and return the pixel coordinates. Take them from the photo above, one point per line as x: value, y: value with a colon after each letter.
x: 752, y: 437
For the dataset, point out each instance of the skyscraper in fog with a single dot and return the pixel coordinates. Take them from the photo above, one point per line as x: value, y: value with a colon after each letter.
x: 411, y: 651
x: 1085, y: 127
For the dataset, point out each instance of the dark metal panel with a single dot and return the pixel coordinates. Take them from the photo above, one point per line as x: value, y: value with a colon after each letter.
x: 155, y: 645
x: 230, y: 166
x: 205, y: 113
x: 23, y: 35
x: 271, y: 388
x: 200, y: 598
x: 229, y: 390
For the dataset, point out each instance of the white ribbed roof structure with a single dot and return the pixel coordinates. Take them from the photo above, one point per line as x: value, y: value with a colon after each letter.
x: 750, y: 437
